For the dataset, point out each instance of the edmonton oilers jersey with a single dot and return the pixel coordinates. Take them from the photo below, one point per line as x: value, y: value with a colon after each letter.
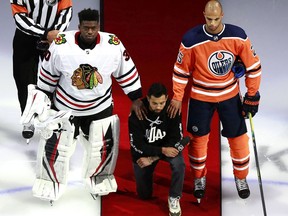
x: 207, y: 59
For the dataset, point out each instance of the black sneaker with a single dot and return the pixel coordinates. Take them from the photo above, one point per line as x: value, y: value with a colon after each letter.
x: 199, y: 187
x: 242, y: 188
x: 28, y: 131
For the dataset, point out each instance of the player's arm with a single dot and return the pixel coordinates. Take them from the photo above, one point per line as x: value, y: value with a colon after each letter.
x: 174, y: 130
x: 252, y: 79
x: 24, y: 22
x: 128, y: 78
x: 180, y: 79
x: 173, y: 136
x: 49, y: 75
x: 62, y: 21
x: 64, y: 15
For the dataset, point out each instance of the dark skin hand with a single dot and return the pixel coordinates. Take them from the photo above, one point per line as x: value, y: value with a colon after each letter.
x: 174, y: 108
x: 139, y: 109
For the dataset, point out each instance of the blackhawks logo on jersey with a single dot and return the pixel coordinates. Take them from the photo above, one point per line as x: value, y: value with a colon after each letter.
x: 114, y: 40
x: 60, y: 39
x: 86, y: 77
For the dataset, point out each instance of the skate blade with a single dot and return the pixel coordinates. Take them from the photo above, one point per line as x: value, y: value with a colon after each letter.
x: 49, y: 200
x: 27, y: 141
x: 94, y: 196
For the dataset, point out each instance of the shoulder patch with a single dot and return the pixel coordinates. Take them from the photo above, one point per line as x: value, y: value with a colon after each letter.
x: 114, y: 40
x: 60, y: 39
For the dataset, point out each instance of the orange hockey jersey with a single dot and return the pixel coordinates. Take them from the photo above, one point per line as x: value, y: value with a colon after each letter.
x: 207, y: 60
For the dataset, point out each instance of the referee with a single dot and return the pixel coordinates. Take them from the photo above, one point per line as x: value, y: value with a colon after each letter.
x: 37, y: 25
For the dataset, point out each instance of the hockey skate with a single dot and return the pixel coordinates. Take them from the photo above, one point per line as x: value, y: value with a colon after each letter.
x: 101, y: 185
x: 28, y: 132
x: 242, y: 188
x: 199, y: 188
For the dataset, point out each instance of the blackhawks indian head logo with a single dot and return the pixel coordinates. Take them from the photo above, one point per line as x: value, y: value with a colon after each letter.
x: 86, y: 77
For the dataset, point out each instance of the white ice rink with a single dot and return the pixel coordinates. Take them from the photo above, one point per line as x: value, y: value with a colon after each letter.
x: 265, y: 22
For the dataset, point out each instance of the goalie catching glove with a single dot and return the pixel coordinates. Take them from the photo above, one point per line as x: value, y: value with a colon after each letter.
x: 250, y: 104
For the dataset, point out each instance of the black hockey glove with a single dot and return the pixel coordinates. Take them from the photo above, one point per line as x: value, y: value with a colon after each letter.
x: 182, y: 143
x: 42, y: 45
x: 250, y: 104
x: 238, y: 68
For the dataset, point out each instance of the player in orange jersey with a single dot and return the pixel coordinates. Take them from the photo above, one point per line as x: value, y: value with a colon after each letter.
x: 210, y: 57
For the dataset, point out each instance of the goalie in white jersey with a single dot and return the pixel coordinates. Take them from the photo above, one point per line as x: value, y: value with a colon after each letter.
x: 76, y: 74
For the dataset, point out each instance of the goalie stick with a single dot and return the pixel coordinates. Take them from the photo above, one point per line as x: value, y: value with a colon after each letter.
x: 257, y: 163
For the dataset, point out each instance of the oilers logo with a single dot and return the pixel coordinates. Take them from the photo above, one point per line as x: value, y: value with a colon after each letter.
x: 220, y: 62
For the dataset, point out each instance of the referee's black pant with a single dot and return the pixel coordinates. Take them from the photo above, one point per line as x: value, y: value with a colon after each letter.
x: 25, y: 64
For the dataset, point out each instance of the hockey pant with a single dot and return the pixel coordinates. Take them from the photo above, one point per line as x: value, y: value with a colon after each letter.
x: 239, y: 151
x: 101, y: 152
x: 55, y: 149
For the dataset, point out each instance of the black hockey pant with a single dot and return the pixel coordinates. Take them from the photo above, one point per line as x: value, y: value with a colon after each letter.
x: 25, y: 64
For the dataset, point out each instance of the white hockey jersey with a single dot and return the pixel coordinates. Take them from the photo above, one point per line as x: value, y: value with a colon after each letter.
x: 81, y: 79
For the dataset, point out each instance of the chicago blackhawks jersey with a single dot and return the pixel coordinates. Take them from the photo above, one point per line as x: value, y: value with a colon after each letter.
x: 81, y: 80
x: 155, y: 131
x: 207, y: 59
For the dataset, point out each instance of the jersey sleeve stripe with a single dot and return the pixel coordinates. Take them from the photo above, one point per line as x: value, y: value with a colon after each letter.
x: 178, y: 70
x: 64, y: 19
x: 179, y: 80
x: 129, y: 78
x: 257, y: 64
x: 27, y: 25
x: 254, y: 75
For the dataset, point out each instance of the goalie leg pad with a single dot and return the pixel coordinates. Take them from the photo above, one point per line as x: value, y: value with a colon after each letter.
x: 101, y: 153
x: 53, y: 164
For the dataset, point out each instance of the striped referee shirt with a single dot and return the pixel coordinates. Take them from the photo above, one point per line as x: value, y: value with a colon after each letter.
x: 37, y: 17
